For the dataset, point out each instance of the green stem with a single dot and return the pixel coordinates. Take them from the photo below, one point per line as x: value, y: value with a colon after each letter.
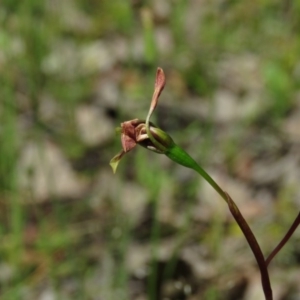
x: 178, y: 155
x: 181, y: 157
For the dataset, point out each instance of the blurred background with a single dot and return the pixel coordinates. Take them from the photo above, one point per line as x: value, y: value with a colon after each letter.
x: 71, y: 71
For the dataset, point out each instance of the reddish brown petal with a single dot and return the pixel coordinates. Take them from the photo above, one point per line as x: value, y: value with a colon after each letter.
x: 127, y: 142
x: 129, y: 133
x: 128, y: 129
x: 160, y: 82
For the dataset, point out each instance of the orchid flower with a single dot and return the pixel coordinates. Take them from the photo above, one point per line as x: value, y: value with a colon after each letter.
x: 144, y: 133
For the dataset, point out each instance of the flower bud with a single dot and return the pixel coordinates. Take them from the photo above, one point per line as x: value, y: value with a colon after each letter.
x: 163, y: 140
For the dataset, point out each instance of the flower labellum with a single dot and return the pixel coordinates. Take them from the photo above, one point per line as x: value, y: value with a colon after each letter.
x: 134, y: 133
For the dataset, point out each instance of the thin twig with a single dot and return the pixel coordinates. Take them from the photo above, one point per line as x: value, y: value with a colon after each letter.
x: 265, y: 280
x: 284, y: 240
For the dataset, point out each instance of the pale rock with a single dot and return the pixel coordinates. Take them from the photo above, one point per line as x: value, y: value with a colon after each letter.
x: 195, y: 12
x: 165, y: 210
x: 120, y: 48
x: 266, y: 172
x: 228, y: 107
x: 100, y: 282
x: 7, y: 273
x: 225, y: 106
x: 94, y: 127
x: 164, y: 41
x: 48, y: 108
x: 12, y: 47
x: 195, y: 108
x: 133, y: 200
x: 62, y: 60
x: 70, y: 61
x: 162, y: 9
x: 130, y: 197
x: 166, y: 248
x: 137, y: 258
x: 142, y: 297
x: 240, y: 73
x: 48, y: 294
x: 291, y: 126
x: 70, y: 15
x: 139, y: 255
x: 44, y: 171
x: 201, y: 267
x: 106, y: 185
x: 108, y: 93
x: 251, y: 105
x: 98, y: 285
x: 290, y: 169
x: 95, y: 57
x: 137, y: 51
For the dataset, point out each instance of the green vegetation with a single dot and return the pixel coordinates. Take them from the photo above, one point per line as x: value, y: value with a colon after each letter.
x: 71, y: 71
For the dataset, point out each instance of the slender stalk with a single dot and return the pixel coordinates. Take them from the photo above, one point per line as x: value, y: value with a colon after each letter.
x: 265, y: 280
x: 284, y: 240
x: 180, y: 156
x: 246, y: 231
